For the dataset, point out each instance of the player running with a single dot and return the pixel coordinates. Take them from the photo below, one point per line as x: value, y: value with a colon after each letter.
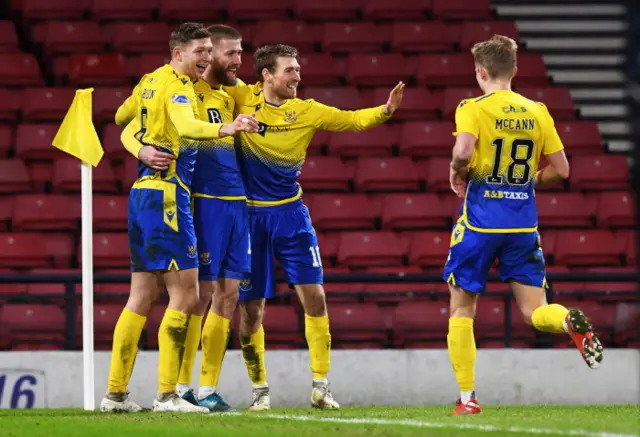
x: 499, y: 139
x: 280, y: 226
x: 221, y: 224
x: 161, y: 235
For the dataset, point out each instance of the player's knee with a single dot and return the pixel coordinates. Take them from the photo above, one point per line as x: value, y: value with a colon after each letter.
x: 462, y: 303
x: 251, y: 313
x: 313, y: 299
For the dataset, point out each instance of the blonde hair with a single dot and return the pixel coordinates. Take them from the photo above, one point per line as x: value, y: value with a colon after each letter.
x: 497, y: 55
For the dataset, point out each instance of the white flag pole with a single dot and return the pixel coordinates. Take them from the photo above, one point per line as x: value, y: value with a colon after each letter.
x: 87, y: 287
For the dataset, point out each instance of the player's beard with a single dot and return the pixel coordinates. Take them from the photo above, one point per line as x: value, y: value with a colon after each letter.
x: 220, y: 74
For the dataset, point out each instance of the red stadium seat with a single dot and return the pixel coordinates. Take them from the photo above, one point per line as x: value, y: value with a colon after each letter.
x: 105, y: 318
x: 111, y: 142
x: 73, y: 36
x: 8, y: 37
x: 587, y: 248
x: 66, y: 177
x: 19, y: 69
x: 325, y: 173
x: 377, y: 69
x: 627, y: 324
x: 327, y: 9
x: 532, y: 71
x: 433, y: 36
x: 414, y: 211
x: 328, y: 243
x: 616, y: 209
x: 7, y: 135
x: 263, y: 10
x: 346, y: 98
x: 46, y: 212
x: 561, y: 286
x: 35, y: 324
x: 283, y: 324
x: 343, y: 211
x: 320, y: 69
x: 570, y: 210
x: 33, y: 141
x: 558, y: 100
x: 434, y: 138
x: 351, y: 37
x: 473, y: 32
x: 132, y: 37
x: 386, y: 174
x: 628, y: 240
x: 436, y: 171
x: 342, y: 292
x: 32, y: 249
x: 600, y: 172
x: 580, y: 137
x: 14, y: 177
x: 192, y: 10
x: 46, y: 104
x: 429, y: 248
x: 10, y: 104
x: 461, y: 9
x: 453, y: 97
x: 417, y: 104
x: 59, y: 10
x: 124, y: 9
x: 151, y: 62
x: 420, y: 322
x: 6, y: 211
x: 489, y: 320
x: 548, y: 243
x: 106, y: 102
x: 98, y: 69
x: 394, y: 10
x: 364, y: 249
x: 109, y: 250
x: 611, y: 289
x: 454, y: 69
x: 297, y: 33
x: 358, y: 323
x: 374, y: 142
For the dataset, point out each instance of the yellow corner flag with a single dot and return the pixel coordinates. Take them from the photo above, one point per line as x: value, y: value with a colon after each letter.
x: 77, y: 136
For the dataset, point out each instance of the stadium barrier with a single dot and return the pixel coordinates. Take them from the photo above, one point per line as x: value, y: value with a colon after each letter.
x: 72, y: 303
x: 358, y: 377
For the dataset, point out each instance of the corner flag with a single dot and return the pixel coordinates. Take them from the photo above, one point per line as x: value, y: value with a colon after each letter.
x: 77, y: 136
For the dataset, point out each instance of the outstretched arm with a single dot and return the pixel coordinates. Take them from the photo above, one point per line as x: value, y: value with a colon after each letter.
x: 334, y: 119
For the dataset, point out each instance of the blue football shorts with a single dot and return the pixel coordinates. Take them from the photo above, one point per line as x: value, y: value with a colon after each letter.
x: 284, y: 232
x: 161, y: 232
x: 472, y: 253
x: 222, y: 229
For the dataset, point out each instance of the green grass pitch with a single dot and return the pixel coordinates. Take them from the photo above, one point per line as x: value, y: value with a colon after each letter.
x: 585, y: 421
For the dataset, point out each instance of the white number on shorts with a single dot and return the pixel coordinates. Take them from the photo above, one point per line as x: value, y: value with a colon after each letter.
x: 249, y: 238
x: 315, y: 254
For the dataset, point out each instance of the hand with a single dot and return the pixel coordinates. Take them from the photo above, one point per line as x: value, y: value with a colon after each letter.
x: 458, y: 181
x: 243, y: 123
x: 395, y: 98
x: 154, y: 158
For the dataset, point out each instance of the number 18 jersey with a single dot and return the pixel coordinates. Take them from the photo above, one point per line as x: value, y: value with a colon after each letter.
x: 511, y: 132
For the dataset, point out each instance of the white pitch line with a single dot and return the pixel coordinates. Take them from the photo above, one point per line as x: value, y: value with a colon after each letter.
x: 440, y: 425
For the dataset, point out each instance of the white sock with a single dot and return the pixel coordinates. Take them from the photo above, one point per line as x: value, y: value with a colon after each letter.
x: 205, y: 391
x: 564, y: 325
x: 265, y: 385
x: 182, y: 389
x: 465, y: 396
x: 321, y: 380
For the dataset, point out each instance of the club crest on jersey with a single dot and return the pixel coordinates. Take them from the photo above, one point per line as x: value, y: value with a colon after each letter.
x: 245, y: 285
x: 290, y: 116
x: 205, y: 258
x: 201, y: 97
x: 191, y: 251
x: 262, y: 128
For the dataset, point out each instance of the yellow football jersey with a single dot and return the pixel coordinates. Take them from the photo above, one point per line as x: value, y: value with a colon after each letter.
x: 217, y: 173
x: 273, y: 157
x: 512, y: 132
x: 149, y: 107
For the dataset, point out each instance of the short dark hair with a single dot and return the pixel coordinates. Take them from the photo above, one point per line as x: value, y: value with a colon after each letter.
x: 222, y: 31
x: 185, y: 33
x: 267, y: 57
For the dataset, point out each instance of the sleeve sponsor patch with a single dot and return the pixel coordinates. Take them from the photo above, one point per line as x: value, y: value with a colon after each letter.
x: 179, y: 98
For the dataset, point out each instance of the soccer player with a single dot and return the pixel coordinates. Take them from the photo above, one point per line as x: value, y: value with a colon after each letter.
x: 161, y: 236
x: 280, y: 226
x: 499, y: 139
x: 221, y: 225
